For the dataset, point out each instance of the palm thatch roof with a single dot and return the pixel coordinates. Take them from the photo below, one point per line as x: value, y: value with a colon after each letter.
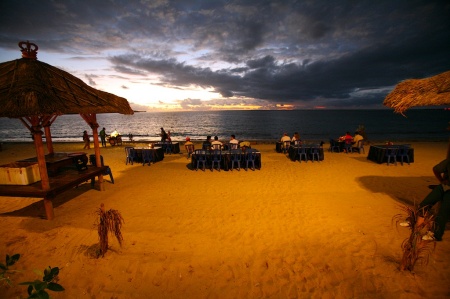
x: 433, y: 91
x: 30, y: 87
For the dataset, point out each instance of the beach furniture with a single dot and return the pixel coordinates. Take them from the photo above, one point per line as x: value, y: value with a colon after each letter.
x: 108, y: 171
x: 315, y: 152
x: 250, y: 157
x: 147, y: 156
x: 286, y: 145
x: 216, y: 158
x: 359, y: 147
x: 391, y: 153
x: 235, y: 157
x: 130, y: 155
x: 402, y: 153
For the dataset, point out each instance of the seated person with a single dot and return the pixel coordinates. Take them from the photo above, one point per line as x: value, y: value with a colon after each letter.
x: 233, y: 140
x: 285, y: 138
x: 347, y: 138
x: 207, y: 144
x: 216, y: 144
x: 357, y: 138
x: 245, y: 144
x: 296, y: 138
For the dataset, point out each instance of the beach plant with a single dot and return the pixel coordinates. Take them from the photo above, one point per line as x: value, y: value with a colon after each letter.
x: 37, y: 288
x: 109, y: 222
x: 414, y: 248
x: 5, y: 270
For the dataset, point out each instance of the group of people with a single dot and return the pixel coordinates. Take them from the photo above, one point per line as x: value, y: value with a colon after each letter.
x: 295, y: 139
x: 102, y: 134
x: 217, y: 144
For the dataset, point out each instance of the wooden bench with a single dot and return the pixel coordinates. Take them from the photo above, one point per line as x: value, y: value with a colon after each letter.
x: 63, y: 181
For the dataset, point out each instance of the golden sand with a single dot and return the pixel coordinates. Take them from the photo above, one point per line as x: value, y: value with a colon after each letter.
x: 289, y: 230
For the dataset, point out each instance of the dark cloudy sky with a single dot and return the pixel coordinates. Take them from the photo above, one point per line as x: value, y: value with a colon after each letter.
x: 255, y: 54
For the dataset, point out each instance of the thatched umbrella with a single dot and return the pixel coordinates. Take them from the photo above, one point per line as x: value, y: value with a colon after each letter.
x: 432, y: 91
x: 37, y: 93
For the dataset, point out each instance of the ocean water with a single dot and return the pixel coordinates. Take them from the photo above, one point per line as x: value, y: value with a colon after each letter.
x: 313, y: 125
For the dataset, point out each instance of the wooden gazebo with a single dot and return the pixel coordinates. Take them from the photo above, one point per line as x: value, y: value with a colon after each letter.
x: 37, y: 93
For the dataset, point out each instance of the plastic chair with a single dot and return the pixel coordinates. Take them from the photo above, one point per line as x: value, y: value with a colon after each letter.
x: 302, y: 153
x: 334, y: 146
x: 189, y: 150
x: 235, y: 156
x: 391, y: 152
x: 403, y: 153
x: 233, y: 146
x: 250, y: 157
x: 286, y: 145
x: 200, y: 156
x: 147, y: 156
x: 216, y: 147
x: 315, y: 152
x: 108, y: 171
x: 348, y: 146
x: 216, y: 158
x: 359, y: 146
x: 167, y: 147
x: 130, y: 154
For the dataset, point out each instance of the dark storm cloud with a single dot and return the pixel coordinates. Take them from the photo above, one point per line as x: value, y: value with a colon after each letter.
x: 336, y: 53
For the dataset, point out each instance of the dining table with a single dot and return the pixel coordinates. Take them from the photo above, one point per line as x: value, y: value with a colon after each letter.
x: 377, y: 152
x: 157, y: 153
x: 175, y: 146
x: 225, y: 163
x: 294, y: 155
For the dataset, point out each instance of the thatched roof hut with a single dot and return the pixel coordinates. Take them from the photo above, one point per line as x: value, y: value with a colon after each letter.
x: 433, y: 91
x: 37, y: 93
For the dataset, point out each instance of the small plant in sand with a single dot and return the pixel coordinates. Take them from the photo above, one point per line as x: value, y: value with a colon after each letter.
x: 5, y: 270
x: 420, y: 222
x: 37, y: 288
x: 109, y: 222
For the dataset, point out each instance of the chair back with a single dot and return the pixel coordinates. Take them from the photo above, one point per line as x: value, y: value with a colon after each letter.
x: 130, y: 154
x: 93, y: 161
x: 233, y: 146
x: 216, y: 147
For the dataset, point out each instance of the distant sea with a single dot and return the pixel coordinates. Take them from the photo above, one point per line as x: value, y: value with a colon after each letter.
x: 265, y: 126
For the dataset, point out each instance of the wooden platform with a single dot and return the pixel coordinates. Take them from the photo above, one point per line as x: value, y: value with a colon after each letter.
x: 63, y: 181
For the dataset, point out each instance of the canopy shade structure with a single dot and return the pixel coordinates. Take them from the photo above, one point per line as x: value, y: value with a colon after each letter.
x: 37, y: 93
x: 432, y: 91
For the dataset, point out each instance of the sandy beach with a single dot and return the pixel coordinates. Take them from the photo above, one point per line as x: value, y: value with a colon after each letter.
x: 289, y: 230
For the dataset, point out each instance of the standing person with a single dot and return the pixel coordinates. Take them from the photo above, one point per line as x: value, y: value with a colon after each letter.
x: 103, y: 136
x: 163, y: 135
x: 168, y: 136
x: 87, y: 142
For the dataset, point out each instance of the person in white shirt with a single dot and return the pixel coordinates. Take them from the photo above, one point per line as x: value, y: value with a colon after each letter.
x: 216, y: 144
x: 233, y: 141
x: 285, y: 138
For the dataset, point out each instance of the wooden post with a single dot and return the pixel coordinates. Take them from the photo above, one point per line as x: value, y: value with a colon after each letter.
x: 48, y: 139
x: 48, y: 205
